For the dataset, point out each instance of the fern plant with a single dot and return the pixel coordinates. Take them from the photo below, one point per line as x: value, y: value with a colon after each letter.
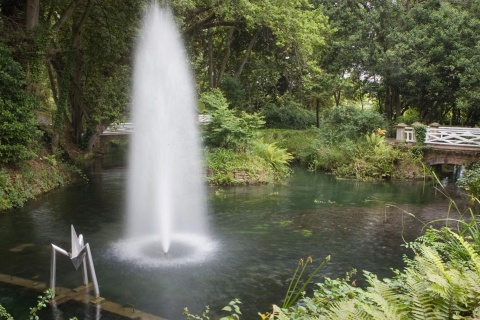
x: 432, y: 286
x: 276, y: 157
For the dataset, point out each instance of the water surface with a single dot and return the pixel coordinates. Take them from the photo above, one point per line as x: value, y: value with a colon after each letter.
x: 260, y: 232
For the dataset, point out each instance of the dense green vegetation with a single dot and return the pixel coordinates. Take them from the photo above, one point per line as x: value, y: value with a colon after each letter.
x: 332, y: 75
x: 286, y: 60
x: 346, y: 67
x: 471, y: 180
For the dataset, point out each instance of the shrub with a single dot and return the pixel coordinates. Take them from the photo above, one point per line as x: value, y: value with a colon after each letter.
x: 339, y: 124
x: 302, y: 144
x: 276, y: 157
x: 432, y: 286
x: 289, y: 116
x: 234, y: 92
x: 227, y: 167
x: 330, y: 157
x: 420, y: 132
x: 471, y: 180
x: 17, y: 124
x: 226, y: 129
x: 409, y: 116
x: 373, y: 159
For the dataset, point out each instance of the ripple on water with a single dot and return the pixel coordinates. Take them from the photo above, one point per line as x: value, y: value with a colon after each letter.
x: 147, y: 251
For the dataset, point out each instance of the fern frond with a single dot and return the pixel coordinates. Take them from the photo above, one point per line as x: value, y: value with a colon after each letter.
x: 346, y: 310
x: 385, y: 298
x: 421, y: 301
x: 471, y: 251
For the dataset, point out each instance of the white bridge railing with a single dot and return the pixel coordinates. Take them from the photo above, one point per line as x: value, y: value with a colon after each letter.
x: 126, y: 128
x: 119, y: 129
x: 445, y: 136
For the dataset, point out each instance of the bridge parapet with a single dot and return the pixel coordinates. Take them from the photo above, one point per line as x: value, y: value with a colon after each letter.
x: 443, y: 137
x: 446, y: 145
x: 124, y: 128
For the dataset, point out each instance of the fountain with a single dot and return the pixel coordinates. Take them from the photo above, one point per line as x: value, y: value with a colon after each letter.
x: 165, y: 193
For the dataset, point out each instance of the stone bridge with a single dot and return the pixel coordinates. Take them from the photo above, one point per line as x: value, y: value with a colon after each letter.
x: 445, y: 145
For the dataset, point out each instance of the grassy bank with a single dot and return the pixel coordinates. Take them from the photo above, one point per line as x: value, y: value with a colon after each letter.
x: 369, y: 157
x: 32, y: 178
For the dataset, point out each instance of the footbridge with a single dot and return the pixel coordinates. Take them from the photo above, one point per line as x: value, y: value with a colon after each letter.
x: 444, y: 145
x: 125, y: 129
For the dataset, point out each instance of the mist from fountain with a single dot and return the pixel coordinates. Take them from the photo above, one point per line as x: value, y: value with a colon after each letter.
x: 166, y: 211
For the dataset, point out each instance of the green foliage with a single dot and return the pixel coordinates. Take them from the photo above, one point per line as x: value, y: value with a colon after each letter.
x: 288, y: 116
x: 302, y: 144
x: 470, y: 180
x: 292, y: 292
x: 420, y: 132
x: 277, y: 157
x: 227, y: 167
x: 41, y: 303
x: 329, y: 157
x: 4, y: 314
x: 226, y: 129
x: 340, y: 124
x: 234, y: 92
x: 433, y: 285
x: 254, y: 43
x: 41, y: 175
x: 374, y: 159
x: 232, y: 308
x: 409, y: 117
x: 17, y: 124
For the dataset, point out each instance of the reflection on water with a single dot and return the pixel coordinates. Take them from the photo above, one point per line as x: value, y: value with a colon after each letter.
x: 260, y: 233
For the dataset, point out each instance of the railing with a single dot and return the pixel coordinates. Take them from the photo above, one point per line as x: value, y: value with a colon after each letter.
x: 129, y: 127
x: 453, y: 136
x: 120, y: 129
x: 446, y: 136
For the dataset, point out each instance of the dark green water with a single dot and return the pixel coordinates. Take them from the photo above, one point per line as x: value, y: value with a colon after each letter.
x: 260, y: 232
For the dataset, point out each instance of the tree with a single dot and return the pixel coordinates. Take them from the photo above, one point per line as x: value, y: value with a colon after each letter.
x: 257, y: 43
x: 17, y: 124
x: 89, y: 59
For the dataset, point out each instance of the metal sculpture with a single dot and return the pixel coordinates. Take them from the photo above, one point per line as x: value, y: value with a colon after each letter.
x: 80, y: 255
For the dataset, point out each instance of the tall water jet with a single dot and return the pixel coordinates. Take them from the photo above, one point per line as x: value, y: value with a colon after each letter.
x: 165, y: 192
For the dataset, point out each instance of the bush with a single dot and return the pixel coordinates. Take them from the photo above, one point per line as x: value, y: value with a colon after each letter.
x: 227, y: 167
x: 440, y: 282
x: 374, y: 160
x: 340, y: 124
x: 234, y: 92
x: 17, y: 124
x: 302, y: 144
x: 330, y: 157
x: 409, y: 116
x: 226, y: 129
x: 276, y: 157
x: 471, y: 180
x: 289, y: 116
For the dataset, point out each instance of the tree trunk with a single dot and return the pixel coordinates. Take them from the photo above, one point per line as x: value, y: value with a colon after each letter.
x: 226, y: 56
x: 95, y: 138
x: 33, y: 13
x: 337, y: 95
x: 76, y: 100
x: 211, y: 73
x: 317, y: 109
x: 247, y: 54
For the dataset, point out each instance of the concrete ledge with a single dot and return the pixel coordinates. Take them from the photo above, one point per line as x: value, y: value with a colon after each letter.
x: 81, y: 294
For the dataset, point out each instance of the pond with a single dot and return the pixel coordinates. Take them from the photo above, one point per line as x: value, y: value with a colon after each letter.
x: 260, y: 233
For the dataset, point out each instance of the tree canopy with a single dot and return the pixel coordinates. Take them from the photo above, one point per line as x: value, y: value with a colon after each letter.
x: 419, y: 55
